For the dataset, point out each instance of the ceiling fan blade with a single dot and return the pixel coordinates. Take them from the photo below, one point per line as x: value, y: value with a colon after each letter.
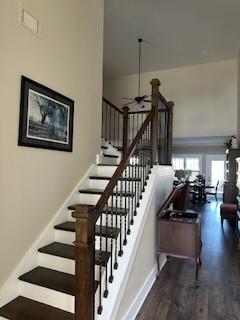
x: 128, y: 99
x: 147, y: 42
x: 147, y: 100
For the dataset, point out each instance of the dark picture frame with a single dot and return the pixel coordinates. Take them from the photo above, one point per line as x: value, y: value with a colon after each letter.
x: 46, y: 117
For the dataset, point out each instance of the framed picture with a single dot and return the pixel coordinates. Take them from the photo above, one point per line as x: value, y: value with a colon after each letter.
x: 46, y: 117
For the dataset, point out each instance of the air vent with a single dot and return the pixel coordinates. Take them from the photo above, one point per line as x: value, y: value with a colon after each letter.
x: 29, y: 22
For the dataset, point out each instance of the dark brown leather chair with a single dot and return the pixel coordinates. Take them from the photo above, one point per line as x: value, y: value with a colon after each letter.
x: 178, y: 198
x: 228, y: 211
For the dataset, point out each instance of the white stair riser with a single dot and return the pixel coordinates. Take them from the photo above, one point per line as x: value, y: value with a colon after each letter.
x: 108, y: 171
x: 61, y: 264
x: 48, y: 296
x: 101, y: 184
x: 69, y: 237
x: 104, y: 170
x: 110, y: 160
x: 57, y: 263
x: 111, y: 151
x: 92, y: 199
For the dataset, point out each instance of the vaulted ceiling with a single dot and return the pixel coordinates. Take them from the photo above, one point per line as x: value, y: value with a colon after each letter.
x: 178, y: 33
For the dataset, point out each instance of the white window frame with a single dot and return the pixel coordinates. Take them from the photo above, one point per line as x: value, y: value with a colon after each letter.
x: 190, y: 155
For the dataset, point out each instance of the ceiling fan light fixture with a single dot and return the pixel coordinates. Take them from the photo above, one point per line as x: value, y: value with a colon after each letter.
x: 139, y: 99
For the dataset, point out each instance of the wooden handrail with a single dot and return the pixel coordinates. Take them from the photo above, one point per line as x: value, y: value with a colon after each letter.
x: 112, y: 105
x: 109, y: 189
x: 163, y: 100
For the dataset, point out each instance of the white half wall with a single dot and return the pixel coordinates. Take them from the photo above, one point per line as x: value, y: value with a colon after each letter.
x: 144, y: 264
x: 205, y: 96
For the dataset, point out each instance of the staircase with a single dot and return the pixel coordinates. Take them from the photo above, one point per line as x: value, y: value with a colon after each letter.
x: 75, y: 271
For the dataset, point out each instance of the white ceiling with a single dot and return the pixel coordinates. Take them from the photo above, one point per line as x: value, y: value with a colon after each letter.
x: 179, y: 32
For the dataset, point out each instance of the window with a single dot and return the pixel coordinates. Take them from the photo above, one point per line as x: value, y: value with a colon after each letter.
x: 192, y: 164
x: 188, y: 162
x: 178, y: 163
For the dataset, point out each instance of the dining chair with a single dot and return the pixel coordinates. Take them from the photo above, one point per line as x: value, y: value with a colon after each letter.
x: 212, y: 193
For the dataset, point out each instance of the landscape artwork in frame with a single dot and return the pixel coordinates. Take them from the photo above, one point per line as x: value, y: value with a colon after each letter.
x: 46, y: 117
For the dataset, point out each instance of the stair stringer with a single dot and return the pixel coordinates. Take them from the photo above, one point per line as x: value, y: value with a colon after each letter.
x: 12, y: 287
x: 154, y: 195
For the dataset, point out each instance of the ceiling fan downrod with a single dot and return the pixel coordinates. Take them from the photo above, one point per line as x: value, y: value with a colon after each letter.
x: 139, y: 64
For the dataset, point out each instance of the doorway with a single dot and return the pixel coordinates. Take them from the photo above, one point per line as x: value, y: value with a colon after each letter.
x: 215, y: 170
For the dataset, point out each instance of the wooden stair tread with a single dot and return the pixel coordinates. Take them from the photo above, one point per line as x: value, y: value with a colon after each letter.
x: 114, y: 210
x: 22, y: 308
x: 108, y: 178
x: 119, y: 148
x: 109, y: 232
x: 107, y: 165
x: 68, y: 251
x: 100, y: 191
x: 51, y: 279
x: 115, y: 165
x: 110, y: 155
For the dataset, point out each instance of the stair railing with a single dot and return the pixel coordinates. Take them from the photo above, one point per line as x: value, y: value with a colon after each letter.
x: 112, y: 123
x: 119, y: 127
x: 114, y: 214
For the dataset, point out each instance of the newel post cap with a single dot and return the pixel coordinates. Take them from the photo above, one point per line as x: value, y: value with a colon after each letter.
x: 171, y: 104
x: 155, y: 82
x: 125, y: 109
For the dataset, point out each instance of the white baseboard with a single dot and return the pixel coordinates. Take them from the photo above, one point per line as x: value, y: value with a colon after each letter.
x: 142, y: 294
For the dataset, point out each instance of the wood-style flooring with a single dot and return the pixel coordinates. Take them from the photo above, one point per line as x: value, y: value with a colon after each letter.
x: 174, y: 296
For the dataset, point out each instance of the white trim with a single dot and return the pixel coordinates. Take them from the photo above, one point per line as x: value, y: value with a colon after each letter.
x: 11, y: 289
x: 142, y: 294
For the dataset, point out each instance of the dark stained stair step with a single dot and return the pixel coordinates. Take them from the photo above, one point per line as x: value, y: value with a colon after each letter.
x: 115, y: 165
x: 108, y: 178
x: 51, y: 279
x: 119, y: 148
x: 110, y: 156
x: 114, y: 210
x: 26, y: 309
x: 107, y: 165
x: 109, y: 232
x: 100, y: 191
x: 68, y: 251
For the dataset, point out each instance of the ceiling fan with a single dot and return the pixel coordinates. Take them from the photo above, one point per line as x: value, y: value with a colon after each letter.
x: 139, y: 100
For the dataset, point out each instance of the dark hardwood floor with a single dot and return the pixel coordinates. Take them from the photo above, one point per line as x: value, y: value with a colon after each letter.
x: 174, y: 296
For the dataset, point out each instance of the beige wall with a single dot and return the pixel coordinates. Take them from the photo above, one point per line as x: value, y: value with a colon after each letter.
x: 67, y: 57
x: 238, y: 89
x: 205, y: 96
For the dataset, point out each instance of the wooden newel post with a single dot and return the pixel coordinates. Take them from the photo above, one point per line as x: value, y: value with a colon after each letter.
x: 125, y: 128
x: 170, y: 132
x: 84, y: 262
x: 155, y: 83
